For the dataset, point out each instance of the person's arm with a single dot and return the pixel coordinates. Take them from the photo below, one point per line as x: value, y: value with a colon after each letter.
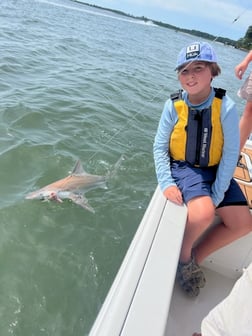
x: 230, y: 153
x: 241, y: 67
x: 161, y: 154
x: 160, y: 147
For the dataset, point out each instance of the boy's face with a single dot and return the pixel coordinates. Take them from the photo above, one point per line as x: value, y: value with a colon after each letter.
x: 195, y: 78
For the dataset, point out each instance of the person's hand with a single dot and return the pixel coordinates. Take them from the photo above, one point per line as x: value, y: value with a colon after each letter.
x: 174, y: 195
x: 240, y: 69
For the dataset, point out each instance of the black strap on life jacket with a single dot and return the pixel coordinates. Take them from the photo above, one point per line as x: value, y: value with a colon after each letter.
x: 199, y: 131
x: 176, y: 95
x: 219, y: 93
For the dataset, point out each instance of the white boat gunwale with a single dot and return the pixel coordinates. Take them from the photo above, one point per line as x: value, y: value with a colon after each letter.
x: 145, y: 275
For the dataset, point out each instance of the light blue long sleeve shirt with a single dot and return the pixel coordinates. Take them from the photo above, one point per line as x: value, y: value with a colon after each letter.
x: 230, y: 153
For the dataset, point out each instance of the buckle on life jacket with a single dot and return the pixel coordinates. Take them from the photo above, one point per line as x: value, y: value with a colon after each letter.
x: 176, y: 95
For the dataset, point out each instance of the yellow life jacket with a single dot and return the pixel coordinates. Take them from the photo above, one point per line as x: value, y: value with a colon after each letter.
x: 197, y: 136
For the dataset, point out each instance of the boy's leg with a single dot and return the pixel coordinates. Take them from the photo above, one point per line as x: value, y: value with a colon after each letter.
x: 201, y: 214
x: 236, y: 222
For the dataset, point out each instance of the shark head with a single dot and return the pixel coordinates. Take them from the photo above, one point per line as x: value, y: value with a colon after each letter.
x: 41, y: 194
x: 71, y: 187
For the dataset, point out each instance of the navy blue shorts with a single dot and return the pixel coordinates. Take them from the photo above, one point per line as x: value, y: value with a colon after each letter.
x: 195, y: 181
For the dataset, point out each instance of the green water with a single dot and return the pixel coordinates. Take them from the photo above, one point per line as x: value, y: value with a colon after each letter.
x: 76, y: 83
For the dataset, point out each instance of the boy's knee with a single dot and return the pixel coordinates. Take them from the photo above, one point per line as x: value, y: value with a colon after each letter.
x: 203, y: 218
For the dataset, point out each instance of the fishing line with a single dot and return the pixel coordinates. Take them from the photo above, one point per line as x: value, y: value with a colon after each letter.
x: 153, y: 98
x: 238, y: 17
x: 215, y: 39
x: 127, y: 123
x: 235, y: 20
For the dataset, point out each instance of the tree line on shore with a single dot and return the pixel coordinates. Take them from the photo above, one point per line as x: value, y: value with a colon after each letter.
x: 243, y: 43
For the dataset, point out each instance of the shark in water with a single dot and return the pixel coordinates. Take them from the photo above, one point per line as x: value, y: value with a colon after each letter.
x: 71, y: 187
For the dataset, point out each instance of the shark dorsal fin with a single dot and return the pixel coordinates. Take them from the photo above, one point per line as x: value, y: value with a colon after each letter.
x: 78, y: 169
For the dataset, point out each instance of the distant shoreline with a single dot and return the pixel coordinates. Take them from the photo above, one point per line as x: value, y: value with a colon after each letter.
x: 224, y: 40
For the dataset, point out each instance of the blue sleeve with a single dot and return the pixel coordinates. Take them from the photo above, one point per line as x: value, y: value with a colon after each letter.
x: 230, y: 127
x: 161, y: 144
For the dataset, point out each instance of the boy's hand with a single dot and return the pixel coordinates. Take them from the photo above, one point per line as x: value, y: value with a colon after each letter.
x: 174, y: 195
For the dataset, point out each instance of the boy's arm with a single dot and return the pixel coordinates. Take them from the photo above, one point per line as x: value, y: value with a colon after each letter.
x: 160, y: 148
x: 225, y: 171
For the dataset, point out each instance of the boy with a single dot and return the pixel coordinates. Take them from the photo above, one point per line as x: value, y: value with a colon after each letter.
x: 195, y: 152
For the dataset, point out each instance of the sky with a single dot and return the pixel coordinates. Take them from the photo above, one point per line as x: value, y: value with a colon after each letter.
x: 215, y: 17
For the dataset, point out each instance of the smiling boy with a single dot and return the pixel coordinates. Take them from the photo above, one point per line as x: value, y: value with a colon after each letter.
x: 195, y: 152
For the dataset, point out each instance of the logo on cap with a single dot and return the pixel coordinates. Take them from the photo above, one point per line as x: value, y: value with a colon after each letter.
x: 192, y: 51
